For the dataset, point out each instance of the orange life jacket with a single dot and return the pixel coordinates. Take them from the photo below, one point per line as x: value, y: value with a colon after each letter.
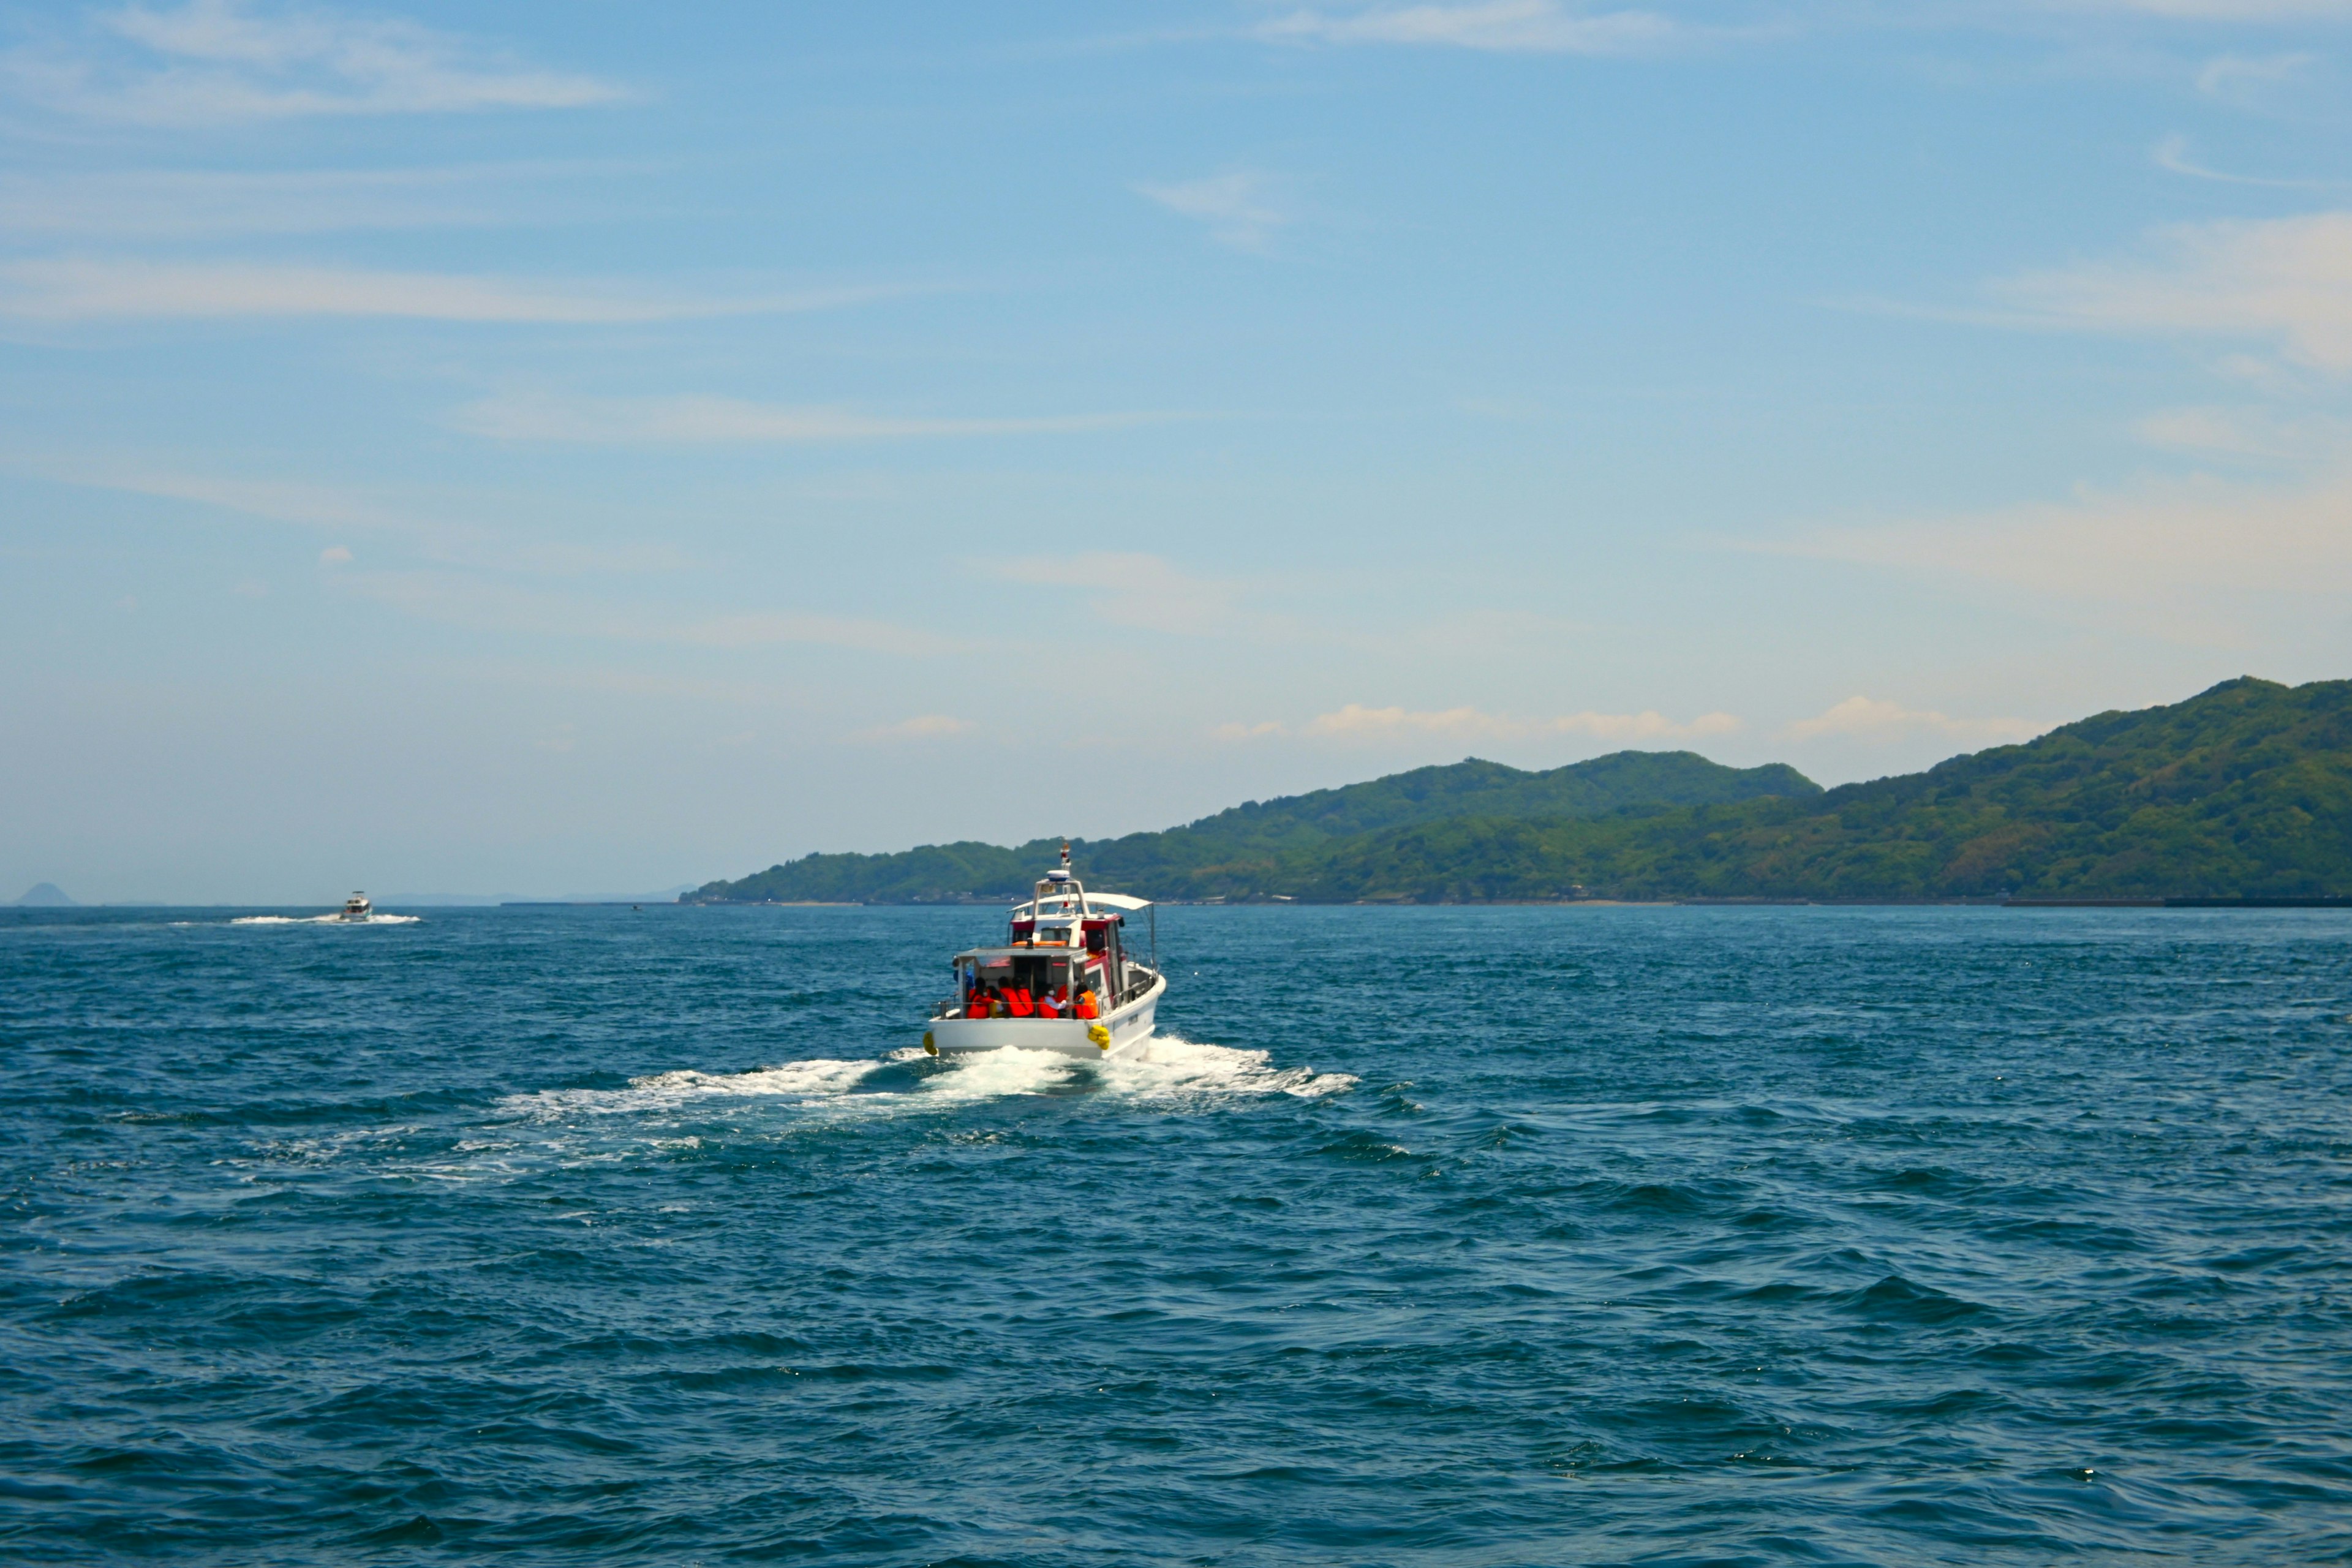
x: 1086, y: 1008
x: 1021, y: 1007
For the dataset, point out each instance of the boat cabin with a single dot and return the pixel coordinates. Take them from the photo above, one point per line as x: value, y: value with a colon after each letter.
x: 1061, y: 943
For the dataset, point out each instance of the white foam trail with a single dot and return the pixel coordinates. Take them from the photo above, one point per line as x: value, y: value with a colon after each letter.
x: 322, y: 921
x: 1170, y: 1067
x: 1168, y: 1070
x: 1008, y: 1070
x: 815, y: 1079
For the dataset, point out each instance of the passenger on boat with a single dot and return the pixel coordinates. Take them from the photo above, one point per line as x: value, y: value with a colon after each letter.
x: 1021, y: 1004
x: 1085, y: 1007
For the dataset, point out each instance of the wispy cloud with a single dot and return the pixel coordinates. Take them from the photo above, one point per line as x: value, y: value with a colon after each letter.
x: 1146, y: 592
x: 1356, y: 722
x: 2288, y: 280
x: 79, y: 289
x: 2183, y: 557
x: 1876, y: 720
x: 2300, y: 87
x: 147, y: 203
x: 541, y: 416
x: 924, y: 727
x: 1240, y: 209
x: 340, y: 510
x: 2229, y: 10
x: 487, y: 603
x: 2247, y: 433
x: 1542, y: 27
x: 214, y: 61
x: 2171, y: 154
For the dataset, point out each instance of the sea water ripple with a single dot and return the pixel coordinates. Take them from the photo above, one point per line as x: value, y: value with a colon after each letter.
x: 1425, y: 1237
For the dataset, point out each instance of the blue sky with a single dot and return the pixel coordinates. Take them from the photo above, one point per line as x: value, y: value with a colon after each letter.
x: 553, y: 448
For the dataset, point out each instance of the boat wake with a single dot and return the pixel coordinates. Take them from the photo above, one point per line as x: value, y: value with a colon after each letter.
x: 325, y: 920
x: 1168, y: 1070
x: 1173, y: 1067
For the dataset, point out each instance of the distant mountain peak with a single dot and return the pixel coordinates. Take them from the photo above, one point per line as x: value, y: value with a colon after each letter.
x: 47, y: 896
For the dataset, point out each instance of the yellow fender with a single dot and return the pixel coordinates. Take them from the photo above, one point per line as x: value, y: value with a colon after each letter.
x: 930, y: 1046
x: 1100, y: 1035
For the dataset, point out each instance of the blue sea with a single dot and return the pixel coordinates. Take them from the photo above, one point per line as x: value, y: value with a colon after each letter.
x: 1424, y: 1236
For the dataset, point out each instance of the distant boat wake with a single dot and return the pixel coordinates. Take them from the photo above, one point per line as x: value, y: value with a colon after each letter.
x: 325, y: 920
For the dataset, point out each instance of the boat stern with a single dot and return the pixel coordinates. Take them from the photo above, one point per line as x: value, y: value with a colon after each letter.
x: 1074, y: 1037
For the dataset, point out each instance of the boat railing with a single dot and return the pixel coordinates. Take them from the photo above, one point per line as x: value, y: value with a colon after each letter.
x: 1144, y: 980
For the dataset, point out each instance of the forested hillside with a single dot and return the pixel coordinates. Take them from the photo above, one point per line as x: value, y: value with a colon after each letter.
x: 2244, y: 791
x: 1245, y: 842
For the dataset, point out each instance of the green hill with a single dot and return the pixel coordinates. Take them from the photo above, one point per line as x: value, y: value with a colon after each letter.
x: 1241, y: 846
x: 2243, y: 790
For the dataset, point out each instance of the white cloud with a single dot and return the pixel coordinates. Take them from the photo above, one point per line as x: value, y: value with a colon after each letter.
x: 78, y: 288
x: 1239, y: 732
x: 925, y: 727
x: 333, y: 555
x: 1358, y: 722
x: 535, y: 416
x: 2168, y: 551
x: 1239, y: 210
x: 1864, y: 718
x: 1542, y: 27
x: 2284, y: 279
x: 215, y: 61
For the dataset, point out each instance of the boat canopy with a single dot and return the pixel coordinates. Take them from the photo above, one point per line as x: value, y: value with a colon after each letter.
x: 997, y: 957
x: 1109, y: 901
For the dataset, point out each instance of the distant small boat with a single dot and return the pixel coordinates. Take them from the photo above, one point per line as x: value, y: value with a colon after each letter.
x: 357, y: 907
x: 1061, y: 981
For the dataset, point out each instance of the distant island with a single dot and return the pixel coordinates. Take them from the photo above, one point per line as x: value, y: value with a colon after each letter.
x: 47, y: 896
x: 2244, y: 791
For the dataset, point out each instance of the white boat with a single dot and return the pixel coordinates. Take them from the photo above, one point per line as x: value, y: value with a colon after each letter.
x: 1067, y: 945
x: 357, y: 907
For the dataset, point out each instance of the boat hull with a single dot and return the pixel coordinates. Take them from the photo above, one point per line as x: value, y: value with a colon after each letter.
x: 1129, y: 1027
